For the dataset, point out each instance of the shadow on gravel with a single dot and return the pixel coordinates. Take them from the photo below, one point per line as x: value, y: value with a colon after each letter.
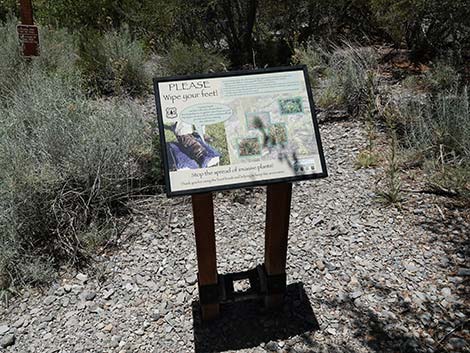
x: 246, y: 324
x: 378, y: 334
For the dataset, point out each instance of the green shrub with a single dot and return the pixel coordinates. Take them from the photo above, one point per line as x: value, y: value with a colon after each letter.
x: 350, y: 67
x: 437, y: 126
x: 66, y: 164
x: 314, y: 57
x: 7, y: 8
x: 11, y: 61
x: 449, y: 179
x: 366, y: 159
x: 58, y: 56
x: 428, y: 27
x: 441, y: 77
x: 182, y: 59
x: 390, y: 189
x: 346, y: 70
x: 433, y: 122
x: 114, y: 63
x: 330, y: 95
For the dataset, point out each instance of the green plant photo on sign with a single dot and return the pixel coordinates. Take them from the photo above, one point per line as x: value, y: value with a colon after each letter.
x: 249, y: 147
x: 291, y: 106
x: 278, y: 134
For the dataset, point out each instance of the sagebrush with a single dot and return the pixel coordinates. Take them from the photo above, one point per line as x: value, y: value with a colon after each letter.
x: 114, y: 63
x: 66, y: 164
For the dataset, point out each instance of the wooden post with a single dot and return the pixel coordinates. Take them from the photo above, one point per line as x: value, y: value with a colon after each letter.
x: 204, y: 229
x: 277, y: 228
x: 26, y: 12
x: 26, y: 15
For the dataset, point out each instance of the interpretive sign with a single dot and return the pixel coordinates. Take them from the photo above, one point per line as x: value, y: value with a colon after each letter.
x: 29, y: 37
x: 237, y: 129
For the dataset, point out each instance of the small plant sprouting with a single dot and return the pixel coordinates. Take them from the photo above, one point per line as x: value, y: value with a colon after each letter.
x: 392, y: 192
x: 368, y: 158
x: 370, y: 111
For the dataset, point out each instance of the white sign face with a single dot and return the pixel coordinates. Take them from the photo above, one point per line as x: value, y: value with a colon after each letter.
x: 231, y: 130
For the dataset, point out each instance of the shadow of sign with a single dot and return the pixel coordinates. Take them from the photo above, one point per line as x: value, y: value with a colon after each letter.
x: 247, y: 324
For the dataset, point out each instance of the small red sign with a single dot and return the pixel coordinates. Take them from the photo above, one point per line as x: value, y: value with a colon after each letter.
x: 29, y: 37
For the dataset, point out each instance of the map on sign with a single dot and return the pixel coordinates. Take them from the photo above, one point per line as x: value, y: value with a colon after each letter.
x: 237, y: 129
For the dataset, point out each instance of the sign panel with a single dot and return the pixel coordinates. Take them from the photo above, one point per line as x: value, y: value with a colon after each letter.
x: 28, y: 34
x: 237, y: 129
x: 29, y: 37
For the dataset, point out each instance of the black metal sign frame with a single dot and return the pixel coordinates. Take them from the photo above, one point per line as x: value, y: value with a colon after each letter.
x: 164, y: 156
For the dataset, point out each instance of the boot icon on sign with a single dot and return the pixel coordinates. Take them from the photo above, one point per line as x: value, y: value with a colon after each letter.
x: 171, y: 113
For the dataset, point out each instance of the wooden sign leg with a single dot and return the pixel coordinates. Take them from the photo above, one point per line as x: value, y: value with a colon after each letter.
x: 203, y: 213
x: 277, y: 227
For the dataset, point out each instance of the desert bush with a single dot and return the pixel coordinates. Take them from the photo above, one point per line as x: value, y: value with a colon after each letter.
x: 451, y: 179
x: 66, y: 164
x: 441, y: 120
x: 427, y: 27
x: 59, y: 54
x: 442, y: 76
x: 58, y: 57
x: 350, y: 67
x: 314, y: 57
x: 11, y: 61
x: 183, y: 59
x: 346, y: 72
x: 114, y: 63
x: 437, y: 126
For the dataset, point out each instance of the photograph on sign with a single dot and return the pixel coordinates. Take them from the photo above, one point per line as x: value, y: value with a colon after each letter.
x: 222, y: 131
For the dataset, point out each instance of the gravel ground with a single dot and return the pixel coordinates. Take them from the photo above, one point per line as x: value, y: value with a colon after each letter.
x: 363, y: 276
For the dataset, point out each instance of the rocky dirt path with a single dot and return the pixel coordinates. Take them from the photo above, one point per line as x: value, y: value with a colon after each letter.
x: 375, y: 278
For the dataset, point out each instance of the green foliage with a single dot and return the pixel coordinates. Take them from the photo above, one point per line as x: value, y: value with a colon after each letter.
x: 436, y: 124
x: 350, y: 67
x: 217, y: 138
x: 314, y: 57
x: 244, y: 29
x: 58, y: 56
x: 442, y: 77
x: 300, y: 20
x: 82, y: 14
x: 330, y: 96
x: 183, y: 59
x: 366, y: 159
x: 427, y: 27
x: 65, y: 164
x: 11, y: 61
x: 433, y: 122
x: 347, y: 73
x: 114, y: 63
x: 7, y: 8
x: 391, y: 191
x: 453, y: 179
